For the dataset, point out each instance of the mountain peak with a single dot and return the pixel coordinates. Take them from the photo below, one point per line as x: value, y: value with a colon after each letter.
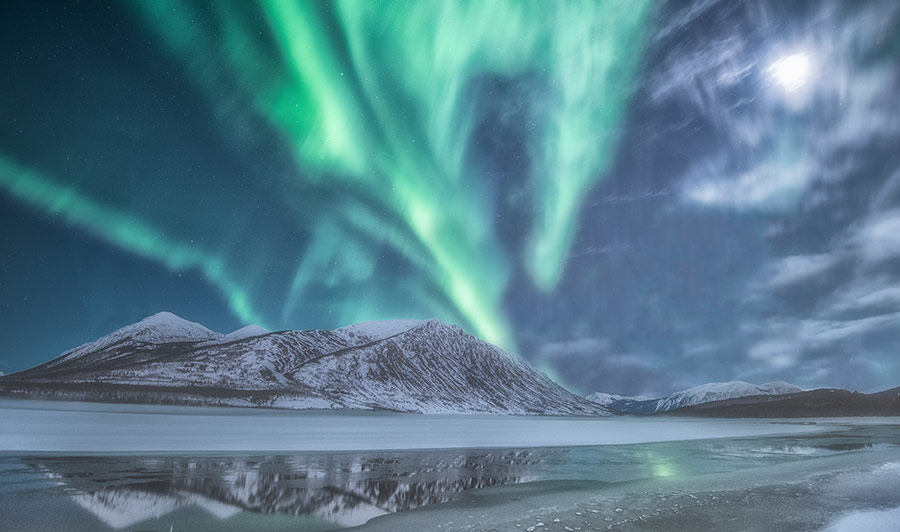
x: 160, y: 328
x: 166, y: 318
x: 781, y: 387
x: 435, y: 322
x: 435, y: 325
x: 247, y: 331
x: 166, y: 326
x: 378, y: 330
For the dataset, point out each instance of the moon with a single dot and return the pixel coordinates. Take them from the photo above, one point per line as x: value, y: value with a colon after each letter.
x: 791, y: 72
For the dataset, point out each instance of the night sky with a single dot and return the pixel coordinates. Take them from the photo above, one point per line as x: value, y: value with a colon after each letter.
x: 636, y: 196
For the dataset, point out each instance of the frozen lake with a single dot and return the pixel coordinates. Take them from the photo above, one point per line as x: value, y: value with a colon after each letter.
x: 67, y: 427
x: 89, y: 467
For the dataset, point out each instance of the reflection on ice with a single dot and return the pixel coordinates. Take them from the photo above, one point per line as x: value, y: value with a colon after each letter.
x: 121, y: 508
x: 799, y: 450
x: 344, y: 489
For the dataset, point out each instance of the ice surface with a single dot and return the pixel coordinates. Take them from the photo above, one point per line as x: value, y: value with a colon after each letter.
x: 775, y: 495
x: 95, y: 427
x: 842, y: 475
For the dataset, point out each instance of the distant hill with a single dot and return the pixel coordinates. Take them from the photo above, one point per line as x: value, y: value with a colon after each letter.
x: 814, y: 403
x: 705, y: 393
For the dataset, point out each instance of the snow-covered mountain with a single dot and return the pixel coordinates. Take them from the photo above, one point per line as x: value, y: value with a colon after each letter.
x: 412, y: 366
x: 823, y: 402
x: 158, y: 328
x: 705, y: 393
x: 719, y: 391
x: 607, y: 399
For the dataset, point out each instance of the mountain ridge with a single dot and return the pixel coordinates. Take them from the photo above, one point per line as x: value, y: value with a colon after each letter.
x: 822, y: 402
x: 404, y: 365
x: 704, y: 393
x: 738, y: 399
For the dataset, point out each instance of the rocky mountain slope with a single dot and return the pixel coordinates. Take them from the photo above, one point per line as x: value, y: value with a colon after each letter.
x: 411, y: 366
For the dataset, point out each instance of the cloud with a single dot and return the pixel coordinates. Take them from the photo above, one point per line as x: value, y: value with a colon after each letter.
x: 816, y: 163
x: 594, y: 364
x: 769, y: 186
x: 799, y: 268
x: 788, y: 340
x: 582, y: 347
x: 772, y: 145
x: 861, y: 305
x: 879, y: 238
x: 646, y: 195
x: 866, y: 297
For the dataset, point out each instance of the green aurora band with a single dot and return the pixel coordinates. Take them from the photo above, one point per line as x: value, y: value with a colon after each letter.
x: 122, y: 230
x: 373, y: 100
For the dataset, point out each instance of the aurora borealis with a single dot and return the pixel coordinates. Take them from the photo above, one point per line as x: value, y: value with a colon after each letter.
x: 637, y: 196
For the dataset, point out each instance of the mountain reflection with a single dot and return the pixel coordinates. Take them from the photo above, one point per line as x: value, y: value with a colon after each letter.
x: 346, y: 489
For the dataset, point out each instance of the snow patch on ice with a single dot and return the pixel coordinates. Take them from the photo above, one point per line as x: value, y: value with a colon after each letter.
x: 868, y: 520
x: 876, y: 486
